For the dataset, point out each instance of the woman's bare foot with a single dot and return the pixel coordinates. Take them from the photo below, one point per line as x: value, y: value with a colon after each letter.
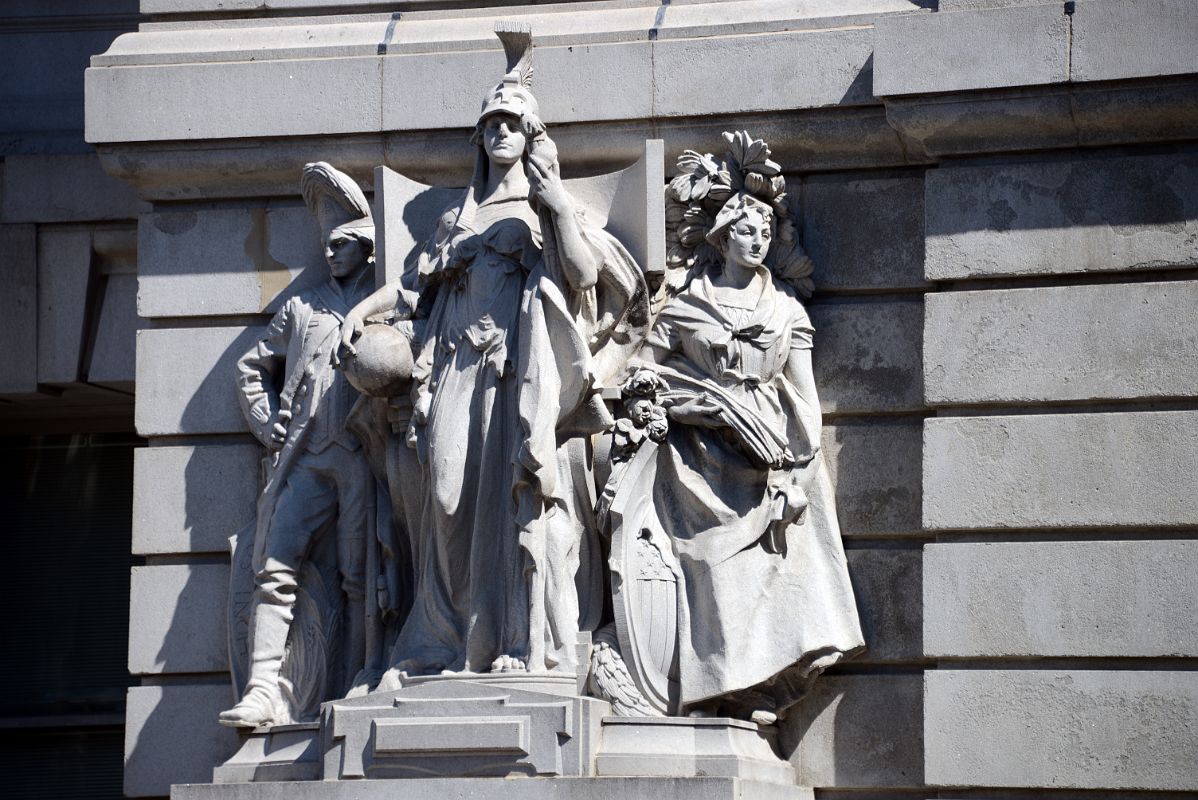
x: 506, y: 663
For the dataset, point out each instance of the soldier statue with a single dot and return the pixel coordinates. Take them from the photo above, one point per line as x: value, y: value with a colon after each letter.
x: 319, y: 480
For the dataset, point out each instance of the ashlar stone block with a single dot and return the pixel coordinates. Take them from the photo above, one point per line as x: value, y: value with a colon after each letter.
x: 979, y: 49
x: 1058, y: 216
x: 864, y: 233
x: 867, y: 355
x: 858, y: 732
x: 177, y: 619
x: 200, y: 101
x: 113, y: 360
x: 1116, y: 40
x: 1061, y: 729
x: 192, y: 499
x: 172, y: 736
x: 1060, y: 599
x: 206, y: 262
x: 186, y: 380
x: 1061, y: 470
x: 887, y: 584
x: 1112, y: 341
x: 762, y: 70
x: 64, y: 266
x: 875, y: 467
x: 18, y: 310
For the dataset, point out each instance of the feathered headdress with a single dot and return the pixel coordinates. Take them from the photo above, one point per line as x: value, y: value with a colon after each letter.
x: 513, y: 93
x: 336, y: 201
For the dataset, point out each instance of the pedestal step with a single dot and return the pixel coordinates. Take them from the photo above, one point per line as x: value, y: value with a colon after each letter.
x: 501, y: 789
x: 690, y: 747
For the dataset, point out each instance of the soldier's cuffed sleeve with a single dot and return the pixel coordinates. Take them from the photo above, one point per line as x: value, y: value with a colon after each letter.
x: 258, y: 374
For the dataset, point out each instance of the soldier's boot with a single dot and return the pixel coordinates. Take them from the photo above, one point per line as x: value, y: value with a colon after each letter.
x: 262, y: 703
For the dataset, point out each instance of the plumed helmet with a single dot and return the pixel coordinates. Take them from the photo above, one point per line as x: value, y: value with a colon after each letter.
x: 513, y: 94
x: 336, y: 201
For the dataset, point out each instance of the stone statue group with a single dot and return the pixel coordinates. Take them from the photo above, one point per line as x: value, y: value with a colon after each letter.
x: 520, y: 456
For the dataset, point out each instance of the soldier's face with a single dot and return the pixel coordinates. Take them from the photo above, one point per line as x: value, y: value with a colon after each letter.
x: 345, y: 255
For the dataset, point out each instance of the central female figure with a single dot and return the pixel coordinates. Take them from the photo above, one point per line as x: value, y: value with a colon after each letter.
x: 526, y: 306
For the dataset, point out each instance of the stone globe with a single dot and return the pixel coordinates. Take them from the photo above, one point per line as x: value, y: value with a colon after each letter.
x: 382, y: 365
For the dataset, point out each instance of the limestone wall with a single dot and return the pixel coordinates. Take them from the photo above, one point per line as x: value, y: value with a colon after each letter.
x: 1004, y: 217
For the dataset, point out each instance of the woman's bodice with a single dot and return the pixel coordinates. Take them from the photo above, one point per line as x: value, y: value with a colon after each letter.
x: 487, y: 268
x: 741, y: 343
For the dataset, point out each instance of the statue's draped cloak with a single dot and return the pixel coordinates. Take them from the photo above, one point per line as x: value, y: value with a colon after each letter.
x: 750, y: 614
x: 509, y: 381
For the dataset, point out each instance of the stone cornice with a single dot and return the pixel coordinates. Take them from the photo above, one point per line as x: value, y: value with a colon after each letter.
x: 226, y: 108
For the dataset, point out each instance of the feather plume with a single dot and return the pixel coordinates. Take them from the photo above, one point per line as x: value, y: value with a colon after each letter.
x: 610, y: 679
x: 517, y: 46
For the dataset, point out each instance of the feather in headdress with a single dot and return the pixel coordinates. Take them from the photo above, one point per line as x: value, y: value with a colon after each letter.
x: 517, y: 45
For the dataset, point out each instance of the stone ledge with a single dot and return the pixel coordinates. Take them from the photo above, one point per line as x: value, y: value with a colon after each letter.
x: 1047, y: 117
x: 955, y: 51
x: 63, y: 188
x: 176, y: 82
x: 832, y: 138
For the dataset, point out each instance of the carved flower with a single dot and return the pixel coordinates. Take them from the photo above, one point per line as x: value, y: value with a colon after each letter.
x: 696, y: 173
x: 750, y: 155
x: 755, y: 183
x: 692, y: 234
x: 675, y: 211
x: 677, y: 256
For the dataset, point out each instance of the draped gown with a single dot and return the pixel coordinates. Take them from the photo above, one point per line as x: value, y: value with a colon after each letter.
x: 754, y: 614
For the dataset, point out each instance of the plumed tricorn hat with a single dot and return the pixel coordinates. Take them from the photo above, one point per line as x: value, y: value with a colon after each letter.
x: 336, y: 201
x: 513, y: 93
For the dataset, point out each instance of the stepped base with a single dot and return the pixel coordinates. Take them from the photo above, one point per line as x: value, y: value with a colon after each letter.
x: 525, y: 737
x: 500, y: 789
x: 690, y: 747
x: 280, y: 753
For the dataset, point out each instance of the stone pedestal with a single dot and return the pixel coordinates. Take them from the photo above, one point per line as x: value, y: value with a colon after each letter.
x: 522, y: 736
x: 487, y: 725
x: 690, y: 747
x: 500, y: 789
